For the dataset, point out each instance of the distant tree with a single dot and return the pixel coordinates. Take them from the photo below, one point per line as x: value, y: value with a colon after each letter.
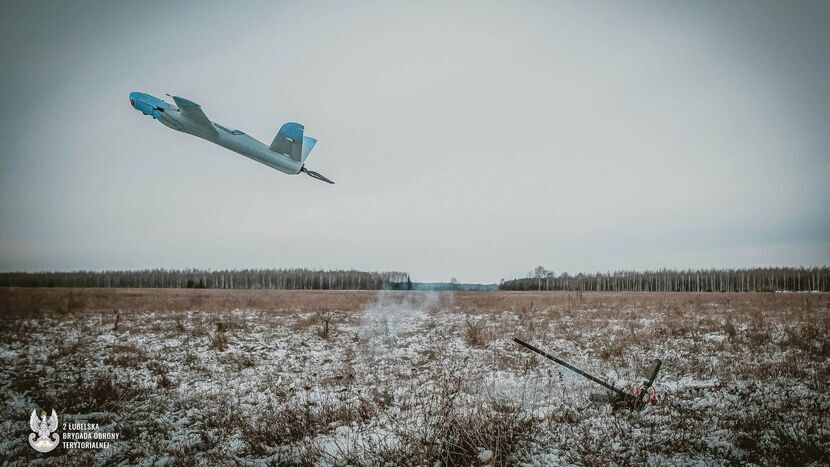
x: 223, y: 279
x: 541, y: 275
x: 666, y: 280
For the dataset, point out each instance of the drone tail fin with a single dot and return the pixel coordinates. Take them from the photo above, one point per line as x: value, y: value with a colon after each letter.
x: 291, y: 142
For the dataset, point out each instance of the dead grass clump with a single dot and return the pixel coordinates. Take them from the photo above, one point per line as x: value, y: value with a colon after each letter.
x: 490, y: 434
x: 238, y: 360
x: 190, y: 358
x: 101, y: 391
x: 730, y: 329
x: 229, y: 322
x: 126, y: 356
x: 324, y: 319
x: 200, y: 330
x: 179, y: 326
x: 759, y: 336
x: 614, y: 348
x: 768, y: 438
x: 474, y: 332
x: 75, y: 302
x: 296, y: 418
x: 219, y: 341
x: 809, y: 337
x: 197, y: 300
x: 162, y: 373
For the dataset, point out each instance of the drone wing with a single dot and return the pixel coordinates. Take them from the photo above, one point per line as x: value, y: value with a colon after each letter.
x: 53, y: 421
x: 34, y: 422
x: 194, y: 111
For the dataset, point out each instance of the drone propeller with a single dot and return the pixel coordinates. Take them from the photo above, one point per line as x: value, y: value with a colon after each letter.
x: 316, y: 175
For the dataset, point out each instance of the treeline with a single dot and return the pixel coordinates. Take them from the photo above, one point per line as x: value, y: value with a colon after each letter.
x: 440, y: 286
x: 668, y: 280
x: 288, y: 279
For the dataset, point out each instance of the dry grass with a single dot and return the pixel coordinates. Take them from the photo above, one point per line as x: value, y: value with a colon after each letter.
x: 217, y: 377
x: 63, y: 300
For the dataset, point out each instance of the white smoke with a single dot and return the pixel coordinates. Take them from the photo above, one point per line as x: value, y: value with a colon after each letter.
x: 395, y: 313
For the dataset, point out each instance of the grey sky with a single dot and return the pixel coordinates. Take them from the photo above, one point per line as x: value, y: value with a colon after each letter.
x: 474, y: 140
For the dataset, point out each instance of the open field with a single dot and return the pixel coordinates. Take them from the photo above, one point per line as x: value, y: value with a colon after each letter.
x: 331, y: 378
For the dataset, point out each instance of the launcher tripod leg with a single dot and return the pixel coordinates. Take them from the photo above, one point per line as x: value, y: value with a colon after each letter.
x: 619, y: 398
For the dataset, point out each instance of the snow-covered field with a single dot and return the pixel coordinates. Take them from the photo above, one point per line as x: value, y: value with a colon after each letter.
x: 365, y: 378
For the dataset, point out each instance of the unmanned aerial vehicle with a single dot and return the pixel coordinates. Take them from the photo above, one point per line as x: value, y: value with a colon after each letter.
x: 287, y: 153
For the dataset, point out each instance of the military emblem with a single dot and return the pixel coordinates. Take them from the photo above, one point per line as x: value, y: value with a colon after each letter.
x: 44, y: 440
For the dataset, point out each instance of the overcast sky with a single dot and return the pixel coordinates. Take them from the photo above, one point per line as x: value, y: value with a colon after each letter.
x: 474, y: 140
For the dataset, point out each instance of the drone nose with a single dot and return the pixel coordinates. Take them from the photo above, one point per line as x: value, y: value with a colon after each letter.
x: 146, y: 104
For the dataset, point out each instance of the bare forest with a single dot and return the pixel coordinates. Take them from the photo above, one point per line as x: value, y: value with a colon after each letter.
x: 670, y: 280
x: 282, y: 279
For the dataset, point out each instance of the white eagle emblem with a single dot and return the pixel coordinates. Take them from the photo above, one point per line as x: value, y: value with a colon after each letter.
x: 44, y: 428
